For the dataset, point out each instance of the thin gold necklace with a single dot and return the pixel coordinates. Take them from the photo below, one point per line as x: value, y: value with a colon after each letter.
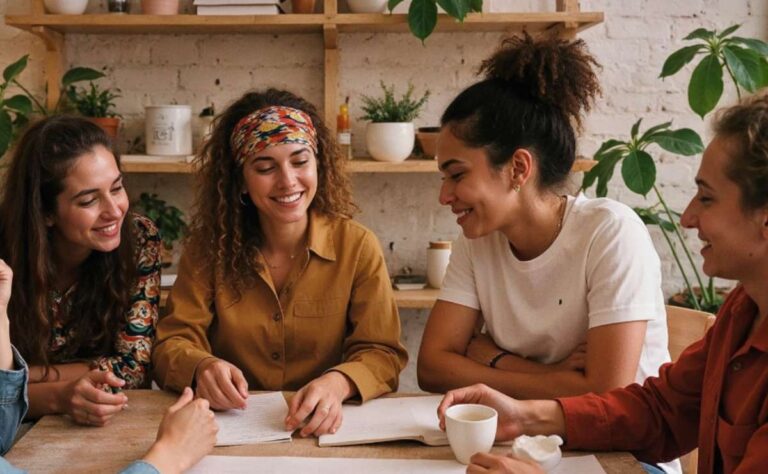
x: 562, y: 206
x: 291, y: 257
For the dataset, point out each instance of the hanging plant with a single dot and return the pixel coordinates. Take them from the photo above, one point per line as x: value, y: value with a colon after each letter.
x: 422, y: 14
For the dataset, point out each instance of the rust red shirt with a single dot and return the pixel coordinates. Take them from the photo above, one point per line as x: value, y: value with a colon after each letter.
x: 714, y: 397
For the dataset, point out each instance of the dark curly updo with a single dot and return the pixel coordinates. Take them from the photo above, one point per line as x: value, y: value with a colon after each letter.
x: 533, y: 94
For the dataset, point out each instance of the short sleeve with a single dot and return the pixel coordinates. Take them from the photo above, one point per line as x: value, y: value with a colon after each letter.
x: 459, y: 284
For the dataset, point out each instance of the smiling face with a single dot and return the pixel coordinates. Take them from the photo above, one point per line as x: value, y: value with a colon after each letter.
x: 281, y: 182
x: 476, y: 192
x: 91, y: 207
x: 734, y: 239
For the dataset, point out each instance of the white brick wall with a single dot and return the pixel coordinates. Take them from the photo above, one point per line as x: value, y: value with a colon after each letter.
x: 197, y: 69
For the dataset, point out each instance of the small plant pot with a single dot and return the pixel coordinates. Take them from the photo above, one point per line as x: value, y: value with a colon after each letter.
x: 66, y: 7
x: 118, y: 6
x: 367, y: 6
x: 303, y: 6
x: 427, y: 137
x: 160, y: 7
x: 109, y: 124
x: 392, y: 142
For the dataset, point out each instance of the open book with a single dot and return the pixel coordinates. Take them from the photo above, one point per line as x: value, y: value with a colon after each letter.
x: 389, y: 419
x: 262, y: 422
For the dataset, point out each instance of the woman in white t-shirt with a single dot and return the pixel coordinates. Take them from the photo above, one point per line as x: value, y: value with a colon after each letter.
x: 568, y: 288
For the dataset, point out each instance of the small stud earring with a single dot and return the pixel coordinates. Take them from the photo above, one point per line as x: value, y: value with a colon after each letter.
x: 517, y: 188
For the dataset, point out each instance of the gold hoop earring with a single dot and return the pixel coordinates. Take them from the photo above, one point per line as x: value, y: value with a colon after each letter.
x: 241, y: 199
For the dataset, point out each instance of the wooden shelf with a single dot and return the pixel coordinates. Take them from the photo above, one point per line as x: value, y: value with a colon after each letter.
x: 292, y: 23
x: 411, y: 299
x: 183, y: 165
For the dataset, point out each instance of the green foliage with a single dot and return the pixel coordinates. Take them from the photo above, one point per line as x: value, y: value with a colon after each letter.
x: 17, y: 110
x: 422, y: 14
x: 169, y: 219
x: 744, y: 59
x: 93, y: 101
x: 389, y: 109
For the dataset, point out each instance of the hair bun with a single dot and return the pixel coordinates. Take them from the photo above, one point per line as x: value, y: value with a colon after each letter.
x: 557, y: 72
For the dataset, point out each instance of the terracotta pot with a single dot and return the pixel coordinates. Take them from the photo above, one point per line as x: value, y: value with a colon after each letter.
x: 681, y: 299
x: 108, y: 124
x: 427, y: 137
x: 160, y: 7
x: 303, y: 6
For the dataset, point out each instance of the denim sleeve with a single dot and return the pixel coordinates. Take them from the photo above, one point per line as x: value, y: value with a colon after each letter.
x: 7, y: 468
x: 140, y: 467
x: 13, y: 400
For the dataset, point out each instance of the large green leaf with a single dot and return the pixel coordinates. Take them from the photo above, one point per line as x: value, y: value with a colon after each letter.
x: 753, y: 63
x: 78, y: 74
x: 639, y: 172
x: 607, y: 145
x: 422, y: 18
x: 683, y: 141
x: 740, y: 72
x: 680, y: 58
x: 391, y: 4
x: 653, y: 130
x: 20, y: 103
x: 706, y: 86
x: 700, y: 33
x: 759, y: 46
x: 455, y: 8
x: 602, y: 172
x: 651, y: 217
x: 729, y: 30
x: 15, y: 69
x: 636, y: 128
x: 6, y: 131
x: 476, y: 5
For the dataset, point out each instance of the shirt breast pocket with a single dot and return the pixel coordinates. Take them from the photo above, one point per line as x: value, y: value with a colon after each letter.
x: 320, y: 308
x: 732, y: 439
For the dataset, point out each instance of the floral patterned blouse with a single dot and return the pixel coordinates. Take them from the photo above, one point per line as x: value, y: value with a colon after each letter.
x: 133, y: 346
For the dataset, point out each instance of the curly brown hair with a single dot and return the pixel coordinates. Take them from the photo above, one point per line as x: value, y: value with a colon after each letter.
x: 746, y: 125
x: 533, y: 92
x: 224, y: 227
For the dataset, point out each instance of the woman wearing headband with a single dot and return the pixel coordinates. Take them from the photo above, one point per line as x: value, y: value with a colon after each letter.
x: 278, y: 288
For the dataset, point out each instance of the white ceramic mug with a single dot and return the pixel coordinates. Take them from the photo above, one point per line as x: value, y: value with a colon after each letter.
x: 169, y: 129
x: 438, y: 256
x: 471, y: 429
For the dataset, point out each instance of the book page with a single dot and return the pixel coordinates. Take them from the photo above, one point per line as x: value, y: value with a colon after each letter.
x: 387, y: 419
x: 263, y: 421
x: 579, y: 465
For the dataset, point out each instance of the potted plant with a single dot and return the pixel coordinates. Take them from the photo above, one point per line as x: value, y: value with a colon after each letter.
x: 744, y: 60
x: 16, y: 111
x: 367, y: 6
x: 422, y: 14
x: 169, y: 220
x: 390, y: 135
x: 427, y: 139
x: 97, y: 105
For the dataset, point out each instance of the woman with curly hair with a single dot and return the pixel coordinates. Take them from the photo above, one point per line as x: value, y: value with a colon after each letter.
x: 568, y: 287
x: 278, y: 288
x: 87, y: 273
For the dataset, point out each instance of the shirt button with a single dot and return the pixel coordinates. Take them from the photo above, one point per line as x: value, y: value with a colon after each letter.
x: 736, y: 366
x: 275, y: 356
x: 277, y: 316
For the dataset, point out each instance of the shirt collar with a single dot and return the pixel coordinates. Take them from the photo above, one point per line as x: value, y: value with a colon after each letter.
x: 321, y: 237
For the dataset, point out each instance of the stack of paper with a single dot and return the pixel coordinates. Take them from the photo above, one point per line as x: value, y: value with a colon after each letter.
x: 263, y: 421
x: 237, y: 7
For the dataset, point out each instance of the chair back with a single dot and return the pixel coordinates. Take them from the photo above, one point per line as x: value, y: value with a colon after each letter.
x: 686, y: 326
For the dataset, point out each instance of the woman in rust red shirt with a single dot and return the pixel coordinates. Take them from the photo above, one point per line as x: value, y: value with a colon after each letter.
x: 715, y: 397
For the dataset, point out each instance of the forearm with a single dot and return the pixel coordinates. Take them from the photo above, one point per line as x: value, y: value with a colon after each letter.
x: 445, y: 371
x: 516, y: 363
x: 58, y: 372
x: 45, y: 399
x: 6, y: 354
x: 543, y: 417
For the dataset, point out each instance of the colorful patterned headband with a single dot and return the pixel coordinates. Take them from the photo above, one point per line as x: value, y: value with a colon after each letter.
x: 272, y: 126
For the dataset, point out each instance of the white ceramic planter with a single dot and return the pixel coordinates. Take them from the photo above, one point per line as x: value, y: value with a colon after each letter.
x: 367, y: 6
x: 168, y: 129
x: 391, y: 142
x: 66, y: 7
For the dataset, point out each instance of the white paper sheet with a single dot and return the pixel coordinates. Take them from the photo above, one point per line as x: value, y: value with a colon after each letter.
x: 263, y: 421
x: 387, y: 419
x: 290, y: 465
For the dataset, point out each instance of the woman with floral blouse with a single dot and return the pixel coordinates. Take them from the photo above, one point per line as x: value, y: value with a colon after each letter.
x: 87, y: 273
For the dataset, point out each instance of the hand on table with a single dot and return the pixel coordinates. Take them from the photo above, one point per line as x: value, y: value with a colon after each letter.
x: 222, y: 384
x: 85, y: 400
x: 500, y: 464
x: 324, y: 397
x: 186, y: 434
x: 510, y: 411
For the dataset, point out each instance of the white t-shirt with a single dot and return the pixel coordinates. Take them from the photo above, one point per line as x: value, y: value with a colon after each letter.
x: 601, y: 269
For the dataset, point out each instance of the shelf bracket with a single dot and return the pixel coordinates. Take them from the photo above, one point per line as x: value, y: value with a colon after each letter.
x: 568, y: 29
x: 54, y: 62
x: 331, y: 43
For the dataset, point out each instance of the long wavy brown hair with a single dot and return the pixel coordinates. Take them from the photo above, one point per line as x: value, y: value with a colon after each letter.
x: 39, y: 164
x: 227, y: 230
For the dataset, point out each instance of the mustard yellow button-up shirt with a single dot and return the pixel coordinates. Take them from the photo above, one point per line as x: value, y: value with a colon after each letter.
x: 335, y: 312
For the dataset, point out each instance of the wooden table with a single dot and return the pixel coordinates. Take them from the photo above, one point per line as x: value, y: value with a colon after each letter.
x: 55, y: 444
